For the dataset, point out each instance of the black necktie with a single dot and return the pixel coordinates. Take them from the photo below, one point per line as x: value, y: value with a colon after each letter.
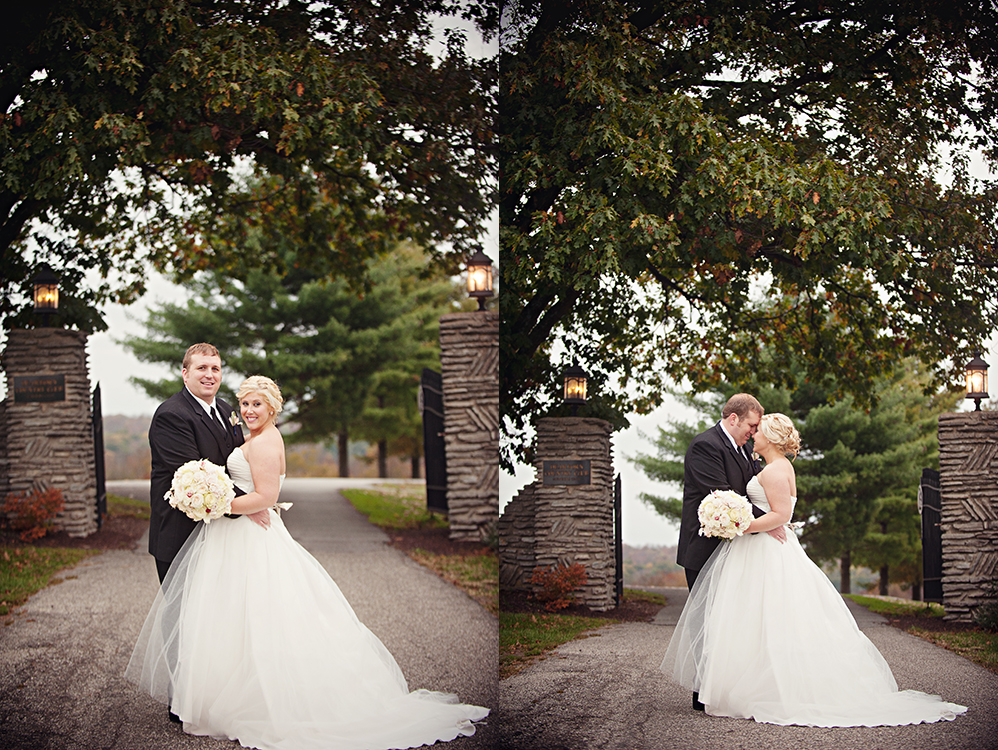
x: 217, y: 419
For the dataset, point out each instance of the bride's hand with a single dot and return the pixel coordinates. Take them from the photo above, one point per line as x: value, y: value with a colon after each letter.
x: 779, y: 534
x: 261, y: 518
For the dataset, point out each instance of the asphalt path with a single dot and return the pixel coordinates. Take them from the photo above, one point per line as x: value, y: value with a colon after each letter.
x: 63, y: 654
x: 606, y: 692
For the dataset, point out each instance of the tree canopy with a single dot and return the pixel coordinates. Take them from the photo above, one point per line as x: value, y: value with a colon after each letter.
x: 136, y: 133
x: 685, y: 183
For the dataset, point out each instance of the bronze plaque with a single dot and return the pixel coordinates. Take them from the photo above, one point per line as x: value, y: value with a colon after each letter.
x: 39, y: 388
x: 567, y: 472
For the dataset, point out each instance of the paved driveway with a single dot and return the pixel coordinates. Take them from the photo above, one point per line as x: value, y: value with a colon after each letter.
x: 605, y: 692
x: 62, y: 658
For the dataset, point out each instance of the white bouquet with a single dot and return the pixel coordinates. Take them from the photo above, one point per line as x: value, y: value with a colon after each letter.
x: 202, y: 490
x: 724, y: 514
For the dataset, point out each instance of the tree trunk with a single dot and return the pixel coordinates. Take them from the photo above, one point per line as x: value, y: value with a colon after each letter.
x: 383, y: 459
x: 846, y: 564
x: 343, y: 440
x: 885, y: 579
x: 415, y: 466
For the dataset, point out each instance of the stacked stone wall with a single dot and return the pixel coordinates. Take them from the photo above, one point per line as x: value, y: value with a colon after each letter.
x: 968, y: 478
x: 4, y: 470
x: 548, y: 525
x: 51, y: 444
x: 469, y: 362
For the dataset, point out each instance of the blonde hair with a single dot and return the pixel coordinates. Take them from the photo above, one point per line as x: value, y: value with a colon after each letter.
x: 780, y: 431
x: 266, y: 388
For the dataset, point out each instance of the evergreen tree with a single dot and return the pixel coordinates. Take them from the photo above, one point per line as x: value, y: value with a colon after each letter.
x: 858, y: 472
x: 329, y: 347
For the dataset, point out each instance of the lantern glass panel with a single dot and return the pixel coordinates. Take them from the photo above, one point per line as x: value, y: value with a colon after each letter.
x: 46, y: 296
x: 479, y: 279
x: 575, y: 388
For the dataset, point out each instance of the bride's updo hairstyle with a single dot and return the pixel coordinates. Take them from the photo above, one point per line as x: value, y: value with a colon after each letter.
x: 780, y: 431
x: 266, y: 388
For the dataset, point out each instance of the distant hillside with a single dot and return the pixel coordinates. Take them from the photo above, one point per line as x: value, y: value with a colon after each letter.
x: 126, y: 447
x: 652, y: 566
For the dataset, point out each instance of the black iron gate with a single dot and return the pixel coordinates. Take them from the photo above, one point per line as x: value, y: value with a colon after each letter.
x: 930, y: 507
x: 431, y: 404
x: 98, y: 422
x: 618, y: 554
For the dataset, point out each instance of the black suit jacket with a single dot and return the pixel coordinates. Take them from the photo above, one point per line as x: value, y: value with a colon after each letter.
x: 711, y: 463
x: 181, y: 431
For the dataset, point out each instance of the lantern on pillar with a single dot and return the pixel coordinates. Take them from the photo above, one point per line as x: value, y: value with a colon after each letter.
x: 46, y: 292
x: 575, y: 387
x: 480, y: 278
x: 977, y: 380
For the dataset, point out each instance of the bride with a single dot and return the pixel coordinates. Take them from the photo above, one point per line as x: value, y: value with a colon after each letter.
x: 250, y: 639
x: 764, y: 634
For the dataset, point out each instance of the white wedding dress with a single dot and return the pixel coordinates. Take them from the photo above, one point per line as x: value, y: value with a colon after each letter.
x: 250, y: 639
x: 765, y: 635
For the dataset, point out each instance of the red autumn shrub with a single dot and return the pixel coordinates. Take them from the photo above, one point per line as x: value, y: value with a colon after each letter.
x: 557, y: 584
x: 33, y: 512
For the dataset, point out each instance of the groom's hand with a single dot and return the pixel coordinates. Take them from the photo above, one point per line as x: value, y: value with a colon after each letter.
x: 779, y: 534
x: 261, y: 518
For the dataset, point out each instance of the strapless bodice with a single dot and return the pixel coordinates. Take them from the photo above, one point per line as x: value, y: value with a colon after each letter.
x: 757, y: 496
x: 239, y: 470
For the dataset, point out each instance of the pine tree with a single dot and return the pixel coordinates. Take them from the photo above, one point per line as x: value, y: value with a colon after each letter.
x: 858, y: 472
x: 330, y: 347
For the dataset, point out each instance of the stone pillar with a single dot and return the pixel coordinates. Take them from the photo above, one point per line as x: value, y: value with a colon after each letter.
x: 469, y: 363
x: 50, y: 443
x: 968, y: 482
x: 550, y: 523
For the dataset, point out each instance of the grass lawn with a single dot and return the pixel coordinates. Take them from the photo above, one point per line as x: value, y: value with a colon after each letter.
x: 525, y: 637
x: 126, y: 507
x: 898, y: 607
x: 397, y: 509
x: 475, y: 574
x: 26, y: 568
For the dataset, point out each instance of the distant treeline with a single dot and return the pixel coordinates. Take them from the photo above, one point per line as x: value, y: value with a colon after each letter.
x: 126, y: 454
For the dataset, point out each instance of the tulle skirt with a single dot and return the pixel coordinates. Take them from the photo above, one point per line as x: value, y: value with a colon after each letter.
x: 765, y: 635
x: 250, y: 639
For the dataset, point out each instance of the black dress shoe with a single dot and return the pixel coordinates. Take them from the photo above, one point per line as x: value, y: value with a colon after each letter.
x: 697, y: 705
x: 174, y: 718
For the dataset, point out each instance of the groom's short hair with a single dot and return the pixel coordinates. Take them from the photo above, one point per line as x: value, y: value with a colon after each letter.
x: 742, y: 404
x: 206, y: 349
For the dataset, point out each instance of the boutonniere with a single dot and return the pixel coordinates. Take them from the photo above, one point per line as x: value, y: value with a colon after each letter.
x: 234, y: 420
x: 755, y: 456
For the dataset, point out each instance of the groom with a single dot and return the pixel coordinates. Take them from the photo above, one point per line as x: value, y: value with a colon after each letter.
x: 718, y: 459
x: 188, y: 426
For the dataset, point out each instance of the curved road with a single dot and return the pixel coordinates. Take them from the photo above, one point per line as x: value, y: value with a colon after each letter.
x: 62, y: 656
